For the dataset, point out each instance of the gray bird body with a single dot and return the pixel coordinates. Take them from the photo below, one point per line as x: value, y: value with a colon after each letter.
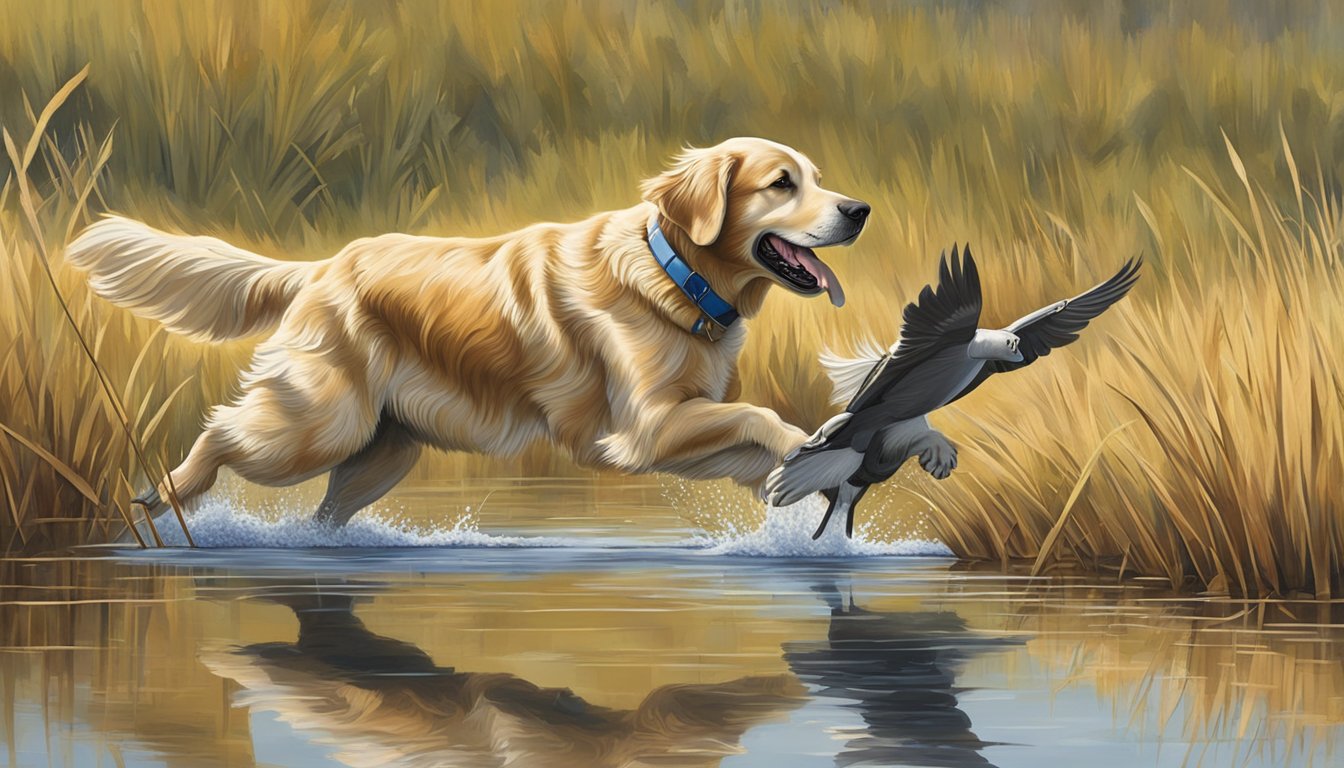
x: 925, y: 388
x: 941, y: 357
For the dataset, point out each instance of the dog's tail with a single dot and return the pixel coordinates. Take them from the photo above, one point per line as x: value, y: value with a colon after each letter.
x: 200, y: 287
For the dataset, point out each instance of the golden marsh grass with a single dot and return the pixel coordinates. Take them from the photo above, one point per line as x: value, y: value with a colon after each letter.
x: 1058, y: 142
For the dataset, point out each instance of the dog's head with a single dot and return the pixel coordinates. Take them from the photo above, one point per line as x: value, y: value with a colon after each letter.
x: 758, y: 208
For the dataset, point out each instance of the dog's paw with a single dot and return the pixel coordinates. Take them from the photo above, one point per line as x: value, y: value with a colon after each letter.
x: 783, y: 443
x: 939, y: 459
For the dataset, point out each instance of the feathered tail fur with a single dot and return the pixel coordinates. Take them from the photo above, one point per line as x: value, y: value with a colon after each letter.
x: 847, y: 374
x: 200, y: 287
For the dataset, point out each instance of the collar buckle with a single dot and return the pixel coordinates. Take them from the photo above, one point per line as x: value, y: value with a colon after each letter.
x: 709, y: 329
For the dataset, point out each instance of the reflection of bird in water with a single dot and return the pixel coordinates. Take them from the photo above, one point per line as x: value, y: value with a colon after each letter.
x: 380, y: 701
x: 900, y: 670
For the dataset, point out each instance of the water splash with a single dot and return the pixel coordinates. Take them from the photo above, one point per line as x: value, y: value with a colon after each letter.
x: 728, y: 519
x: 222, y: 523
x: 787, y: 532
x: 732, y: 524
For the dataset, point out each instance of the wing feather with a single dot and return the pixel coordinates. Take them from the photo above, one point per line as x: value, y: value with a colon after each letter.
x: 940, y: 318
x: 1058, y: 324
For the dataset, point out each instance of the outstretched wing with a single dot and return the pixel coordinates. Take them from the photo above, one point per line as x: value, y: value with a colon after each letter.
x: 1058, y: 325
x: 940, y: 318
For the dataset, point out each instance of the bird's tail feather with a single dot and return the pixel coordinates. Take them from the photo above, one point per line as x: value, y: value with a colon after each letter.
x: 847, y: 374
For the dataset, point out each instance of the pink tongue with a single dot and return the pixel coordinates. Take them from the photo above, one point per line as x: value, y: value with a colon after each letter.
x: 805, y: 258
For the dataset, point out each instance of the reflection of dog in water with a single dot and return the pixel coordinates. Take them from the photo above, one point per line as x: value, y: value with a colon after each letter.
x: 901, y: 670
x: 381, y: 701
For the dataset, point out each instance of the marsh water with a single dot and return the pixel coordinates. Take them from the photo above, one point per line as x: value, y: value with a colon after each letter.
x: 576, y: 623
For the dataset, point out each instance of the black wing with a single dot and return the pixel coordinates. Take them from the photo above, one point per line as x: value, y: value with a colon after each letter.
x: 941, y: 318
x: 1058, y: 325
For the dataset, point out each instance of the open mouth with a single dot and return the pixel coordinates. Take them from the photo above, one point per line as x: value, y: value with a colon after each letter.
x: 798, y: 268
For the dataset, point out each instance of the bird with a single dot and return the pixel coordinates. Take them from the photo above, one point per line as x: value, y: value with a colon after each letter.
x: 940, y: 357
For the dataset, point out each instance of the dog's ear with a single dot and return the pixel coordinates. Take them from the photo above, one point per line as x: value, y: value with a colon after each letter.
x: 693, y: 193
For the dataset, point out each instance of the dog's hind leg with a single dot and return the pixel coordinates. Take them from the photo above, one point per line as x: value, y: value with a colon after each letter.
x: 191, y: 478
x: 151, y: 501
x: 298, y: 417
x: 364, y: 477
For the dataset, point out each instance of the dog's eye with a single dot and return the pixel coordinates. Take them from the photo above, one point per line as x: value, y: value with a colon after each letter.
x: 783, y: 182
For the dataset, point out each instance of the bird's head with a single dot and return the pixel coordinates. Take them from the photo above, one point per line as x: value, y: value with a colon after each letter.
x: 995, y: 345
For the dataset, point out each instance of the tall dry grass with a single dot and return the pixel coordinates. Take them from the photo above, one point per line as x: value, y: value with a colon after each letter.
x: 1058, y: 141
x: 1204, y: 441
x: 50, y: 356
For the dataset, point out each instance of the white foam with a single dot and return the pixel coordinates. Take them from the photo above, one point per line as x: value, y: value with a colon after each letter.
x: 731, y: 525
x: 787, y: 532
x: 728, y: 517
x: 224, y: 524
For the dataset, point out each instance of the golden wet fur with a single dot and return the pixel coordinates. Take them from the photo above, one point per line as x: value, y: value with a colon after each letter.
x: 566, y: 332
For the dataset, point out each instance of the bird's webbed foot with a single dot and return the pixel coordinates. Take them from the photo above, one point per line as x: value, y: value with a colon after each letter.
x: 938, y: 456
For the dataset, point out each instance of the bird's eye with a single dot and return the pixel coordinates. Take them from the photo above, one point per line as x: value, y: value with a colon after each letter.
x: 783, y: 182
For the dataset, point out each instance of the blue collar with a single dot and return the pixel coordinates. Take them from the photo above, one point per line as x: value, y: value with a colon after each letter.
x: 718, y: 312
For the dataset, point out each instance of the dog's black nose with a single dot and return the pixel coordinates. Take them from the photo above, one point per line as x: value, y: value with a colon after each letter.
x: 855, y: 210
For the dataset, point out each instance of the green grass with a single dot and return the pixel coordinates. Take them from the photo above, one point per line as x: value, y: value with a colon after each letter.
x: 1059, y: 143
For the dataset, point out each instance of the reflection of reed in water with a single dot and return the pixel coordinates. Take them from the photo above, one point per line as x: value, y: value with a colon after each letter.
x: 901, y: 670
x: 382, y: 701
x: 1265, y: 680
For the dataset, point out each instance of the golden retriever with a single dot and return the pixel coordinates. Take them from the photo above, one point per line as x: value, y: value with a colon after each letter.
x: 570, y: 332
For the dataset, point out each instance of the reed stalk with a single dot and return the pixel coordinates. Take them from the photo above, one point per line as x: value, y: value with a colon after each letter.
x: 1058, y: 148
x: 21, y: 164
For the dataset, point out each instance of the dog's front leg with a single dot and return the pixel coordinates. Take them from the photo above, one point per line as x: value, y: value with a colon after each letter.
x: 747, y: 465
x: 702, y: 438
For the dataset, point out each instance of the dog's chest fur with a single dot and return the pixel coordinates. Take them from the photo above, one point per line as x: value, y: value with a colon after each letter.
x: 567, y: 332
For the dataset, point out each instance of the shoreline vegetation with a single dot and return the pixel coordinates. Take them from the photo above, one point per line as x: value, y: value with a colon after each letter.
x: 1195, y: 433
